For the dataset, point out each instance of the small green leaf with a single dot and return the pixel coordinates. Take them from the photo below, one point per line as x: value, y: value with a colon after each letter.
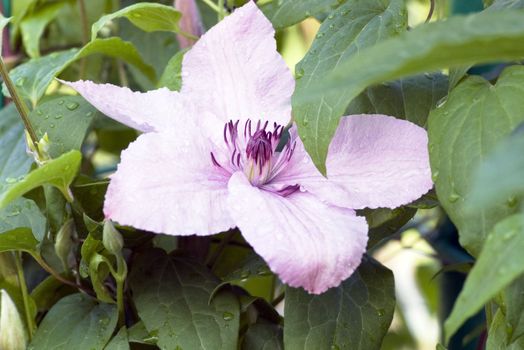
x: 384, y: 222
x: 33, y: 77
x: 76, y: 322
x: 149, y: 17
x: 58, y: 172
x: 349, y: 29
x: 188, y: 320
x: 411, y: 98
x: 65, y: 120
x: 500, y: 262
x: 263, y: 336
x: 18, y: 239
x: 355, y: 315
x: 429, y: 47
x: 23, y: 212
x: 489, y: 187
x: 172, y: 76
x: 33, y: 25
x: 462, y: 132
x: 14, y: 160
x: 498, y: 335
x: 120, y: 341
x: 286, y: 13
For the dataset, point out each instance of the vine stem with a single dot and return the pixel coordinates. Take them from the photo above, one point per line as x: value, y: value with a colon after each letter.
x: 431, y: 10
x: 57, y: 276
x: 120, y: 278
x: 221, y: 10
x: 19, y: 103
x: 212, y: 5
x: 31, y: 325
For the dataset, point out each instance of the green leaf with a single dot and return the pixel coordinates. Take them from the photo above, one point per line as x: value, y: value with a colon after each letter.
x: 21, y: 239
x: 120, y: 341
x: 355, y: 315
x: 507, y: 4
x: 497, y: 335
x: 263, y: 336
x: 172, y: 76
x: 58, y: 172
x: 286, y: 13
x: 14, y: 161
x: 348, y: 29
x: 187, y: 320
x: 48, y: 292
x: 33, y: 26
x: 139, y: 334
x: 23, y: 212
x: 410, y: 98
x: 489, y: 187
x: 149, y: 17
x: 65, y: 120
x: 33, y: 77
x: 429, y: 47
x: 117, y: 48
x: 384, y: 222
x: 76, y: 322
x: 514, y: 309
x: 462, y: 132
x: 500, y: 262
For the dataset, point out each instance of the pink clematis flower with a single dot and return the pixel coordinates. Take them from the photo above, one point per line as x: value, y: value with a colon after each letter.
x: 208, y: 160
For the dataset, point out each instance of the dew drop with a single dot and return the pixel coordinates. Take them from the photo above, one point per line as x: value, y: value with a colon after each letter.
x: 335, y: 347
x: 244, y: 274
x: 72, y: 106
x: 331, y: 16
x: 39, y: 112
x: 453, y: 197
x: 319, y: 35
x: 512, y: 202
x: 228, y: 316
x: 58, y: 116
x: 20, y: 82
x: 46, y: 116
x: 52, y: 125
x: 89, y: 114
x: 434, y: 176
x: 61, y: 102
x: 508, y: 235
x: 299, y: 73
x: 11, y: 180
x: 381, y: 312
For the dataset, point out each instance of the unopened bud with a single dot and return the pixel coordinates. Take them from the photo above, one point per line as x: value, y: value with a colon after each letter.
x: 112, y: 239
x: 64, y: 242
x: 41, y: 155
x: 12, y: 331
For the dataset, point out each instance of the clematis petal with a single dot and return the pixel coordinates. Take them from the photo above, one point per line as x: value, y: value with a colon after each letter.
x: 306, y: 242
x: 165, y: 183
x: 235, y: 71
x: 151, y: 111
x: 380, y: 160
x: 300, y: 170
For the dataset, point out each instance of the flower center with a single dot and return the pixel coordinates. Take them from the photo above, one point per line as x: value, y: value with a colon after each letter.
x: 254, y: 151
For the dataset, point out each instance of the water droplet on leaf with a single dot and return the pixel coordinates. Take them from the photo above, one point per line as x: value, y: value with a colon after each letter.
x: 228, y: 316
x: 72, y: 106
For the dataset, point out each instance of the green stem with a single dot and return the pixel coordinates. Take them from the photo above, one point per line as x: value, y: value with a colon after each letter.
x: 221, y: 10
x: 120, y: 279
x: 19, y: 103
x: 278, y: 299
x: 489, y: 313
x: 57, y: 276
x: 85, y: 34
x: 31, y: 326
x: 212, y: 5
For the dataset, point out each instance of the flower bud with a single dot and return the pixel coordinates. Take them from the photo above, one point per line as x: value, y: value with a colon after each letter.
x: 64, y: 242
x: 41, y: 155
x: 190, y: 23
x: 12, y: 331
x: 112, y: 239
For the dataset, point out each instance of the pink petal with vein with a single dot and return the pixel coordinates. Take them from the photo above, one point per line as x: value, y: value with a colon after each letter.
x: 165, y: 183
x: 235, y: 71
x: 308, y: 243
x: 144, y: 111
x: 381, y: 161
